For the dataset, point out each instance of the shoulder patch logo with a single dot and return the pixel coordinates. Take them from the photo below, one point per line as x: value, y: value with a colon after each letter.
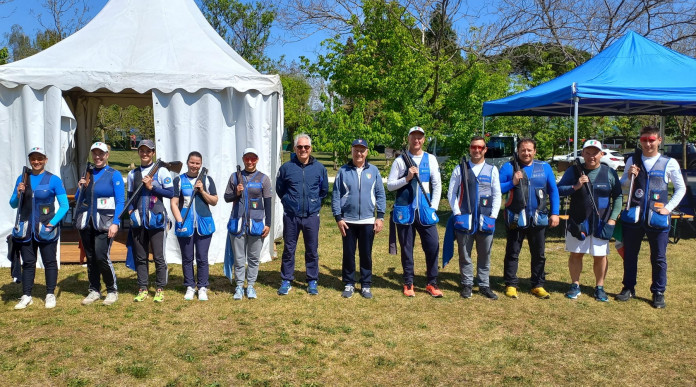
x: 167, y: 180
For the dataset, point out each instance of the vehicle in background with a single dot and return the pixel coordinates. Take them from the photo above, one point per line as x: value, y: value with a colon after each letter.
x: 440, y: 149
x: 500, y: 149
x: 676, y: 152
x: 611, y: 158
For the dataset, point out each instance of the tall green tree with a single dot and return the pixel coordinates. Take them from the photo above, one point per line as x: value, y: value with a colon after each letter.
x: 245, y: 27
x: 4, y: 55
x: 296, y: 92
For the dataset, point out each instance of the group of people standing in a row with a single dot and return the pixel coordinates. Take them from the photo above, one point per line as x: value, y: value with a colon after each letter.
x: 359, y: 206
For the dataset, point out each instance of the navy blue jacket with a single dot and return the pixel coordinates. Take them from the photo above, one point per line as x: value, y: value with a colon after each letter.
x: 301, y: 187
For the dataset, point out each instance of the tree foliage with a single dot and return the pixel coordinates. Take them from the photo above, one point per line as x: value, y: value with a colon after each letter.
x: 115, y: 122
x: 245, y: 27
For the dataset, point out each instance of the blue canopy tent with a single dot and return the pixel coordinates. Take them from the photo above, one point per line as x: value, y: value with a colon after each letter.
x: 633, y: 76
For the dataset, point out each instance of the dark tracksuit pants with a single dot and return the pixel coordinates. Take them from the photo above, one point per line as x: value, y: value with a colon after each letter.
x: 143, y: 238
x: 201, y: 244
x: 536, y: 238
x: 632, y: 238
x: 292, y: 226
x: 431, y: 247
x: 48, y: 257
x: 363, y: 236
x: 97, y: 247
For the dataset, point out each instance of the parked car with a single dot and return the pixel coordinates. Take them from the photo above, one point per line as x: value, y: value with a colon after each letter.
x: 675, y: 151
x: 611, y: 158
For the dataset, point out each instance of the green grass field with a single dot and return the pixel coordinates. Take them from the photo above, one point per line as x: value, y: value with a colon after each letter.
x: 300, y: 340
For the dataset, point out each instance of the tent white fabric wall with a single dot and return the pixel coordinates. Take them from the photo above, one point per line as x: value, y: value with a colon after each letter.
x: 30, y: 118
x: 219, y: 125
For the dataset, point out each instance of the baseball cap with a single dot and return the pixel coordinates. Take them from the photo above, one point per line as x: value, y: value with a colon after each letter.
x: 101, y: 146
x: 147, y: 143
x: 360, y: 142
x: 37, y: 149
x: 416, y: 129
x: 250, y: 150
x: 595, y: 143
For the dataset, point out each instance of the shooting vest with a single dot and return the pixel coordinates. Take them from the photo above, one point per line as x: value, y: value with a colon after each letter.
x: 536, y: 196
x: 410, y: 197
x: 581, y: 207
x: 34, y: 215
x: 248, y: 212
x: 97, y: 203
x: 650, y: 192
x: 198, y: 217
x: 149, y: 208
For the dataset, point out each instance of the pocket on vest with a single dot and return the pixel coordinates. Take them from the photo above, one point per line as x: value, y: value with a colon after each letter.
x: 657, y: 220
x: 463, y: 222
x: 487, y: 224
x: 427, y: 216
x: 631, y: 216
x: 234, y: 226
x: 47, y: 234
x: 402, y: 214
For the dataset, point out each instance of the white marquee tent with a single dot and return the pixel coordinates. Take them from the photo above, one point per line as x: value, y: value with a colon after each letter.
x: 162, y: 53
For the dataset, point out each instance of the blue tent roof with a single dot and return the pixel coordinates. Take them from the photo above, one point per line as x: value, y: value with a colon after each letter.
x: 632, y: 76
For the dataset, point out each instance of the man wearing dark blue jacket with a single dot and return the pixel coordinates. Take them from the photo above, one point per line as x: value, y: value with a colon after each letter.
x: 301, y: 185
x: 358, y: 191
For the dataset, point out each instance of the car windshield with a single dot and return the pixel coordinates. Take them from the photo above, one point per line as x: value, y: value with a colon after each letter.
x: 500, y: 147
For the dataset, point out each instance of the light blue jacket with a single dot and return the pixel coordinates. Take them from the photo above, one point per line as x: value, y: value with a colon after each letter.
x: 355, y: 200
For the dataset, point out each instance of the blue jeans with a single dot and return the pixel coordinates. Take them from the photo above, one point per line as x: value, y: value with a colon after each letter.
x: 292, y: 226
x: 633, y: 237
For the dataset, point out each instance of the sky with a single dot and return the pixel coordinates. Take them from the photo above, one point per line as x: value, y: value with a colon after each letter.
x: 24, y: 13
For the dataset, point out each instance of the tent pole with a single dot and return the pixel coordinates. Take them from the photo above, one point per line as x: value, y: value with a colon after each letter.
x: 483, y: 127
x: 575, y: 126
x: 663, y: 121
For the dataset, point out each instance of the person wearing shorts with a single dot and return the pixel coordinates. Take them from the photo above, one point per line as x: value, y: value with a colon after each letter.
x: 595, y: 203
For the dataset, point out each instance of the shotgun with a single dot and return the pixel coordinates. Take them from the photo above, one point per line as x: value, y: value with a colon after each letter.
x: 174, y: 166
x: 87, y: 176
x: 25, y: 178
x: 581, y: 172
x: 465, y: 182
x: 410, y: 163
x: 201, y: 177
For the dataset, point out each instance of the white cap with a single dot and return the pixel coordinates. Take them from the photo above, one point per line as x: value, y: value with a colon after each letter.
x: 250, y: 150
x: 37, y: 149
x: 595, y: 143
x: 416, y: 129
x: 101, y: 146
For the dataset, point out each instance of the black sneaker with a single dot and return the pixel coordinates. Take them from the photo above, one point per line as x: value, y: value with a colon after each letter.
x: 626, y: 294
x: 658, y: 300
x: 487, y: 292
x: 466, y: 291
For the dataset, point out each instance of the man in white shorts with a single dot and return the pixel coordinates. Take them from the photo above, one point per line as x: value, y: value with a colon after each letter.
x: 595, y: 203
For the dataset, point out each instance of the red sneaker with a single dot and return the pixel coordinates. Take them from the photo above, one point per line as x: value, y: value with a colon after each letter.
x: 433, y: 290
x: 408, y: 290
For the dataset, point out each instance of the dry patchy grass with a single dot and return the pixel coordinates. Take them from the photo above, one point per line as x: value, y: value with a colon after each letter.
x: 301, y: 340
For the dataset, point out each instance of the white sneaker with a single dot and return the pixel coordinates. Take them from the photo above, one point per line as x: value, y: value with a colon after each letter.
x: 24, y: 302
x: 190, y: 293
x: 202, y: 294
x: 110, y: 298
x: 91, y: 297
x: 50, y: 301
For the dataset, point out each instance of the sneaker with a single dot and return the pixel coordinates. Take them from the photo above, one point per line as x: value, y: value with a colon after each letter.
x: 366, y: 292
x: 625, y: 295
x: 511, y: 291
x: 285, y: 287
x: 50, y: 301
x: 658, y: 301
x: 142, y: 295
x: 408, y: 290
x: 348, y: 291
x: 190, y: 293
x: 574, y: 291
x: 433, y: 290
x: 24, y: 302
x: 91, y: 297
x: 487, y: 292
x: 238, y: 293
x: 466, y: 291
x: 540, y: 292
x: 312, y: 288
x: 251, y: 292
x: 110, y: 298
x: 203, y: 294
x: 159, y: 296
x: 600, y: 294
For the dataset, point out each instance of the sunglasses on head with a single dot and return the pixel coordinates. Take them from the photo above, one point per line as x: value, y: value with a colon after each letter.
x: 648, y: 138
x: 305, y: 147
x: 477, y: 147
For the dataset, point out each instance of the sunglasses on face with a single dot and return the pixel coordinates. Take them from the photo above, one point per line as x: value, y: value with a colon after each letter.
x: 477, y: 147
x: 250, y: 158
x: 648, y: 139
x: 301, y: 147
